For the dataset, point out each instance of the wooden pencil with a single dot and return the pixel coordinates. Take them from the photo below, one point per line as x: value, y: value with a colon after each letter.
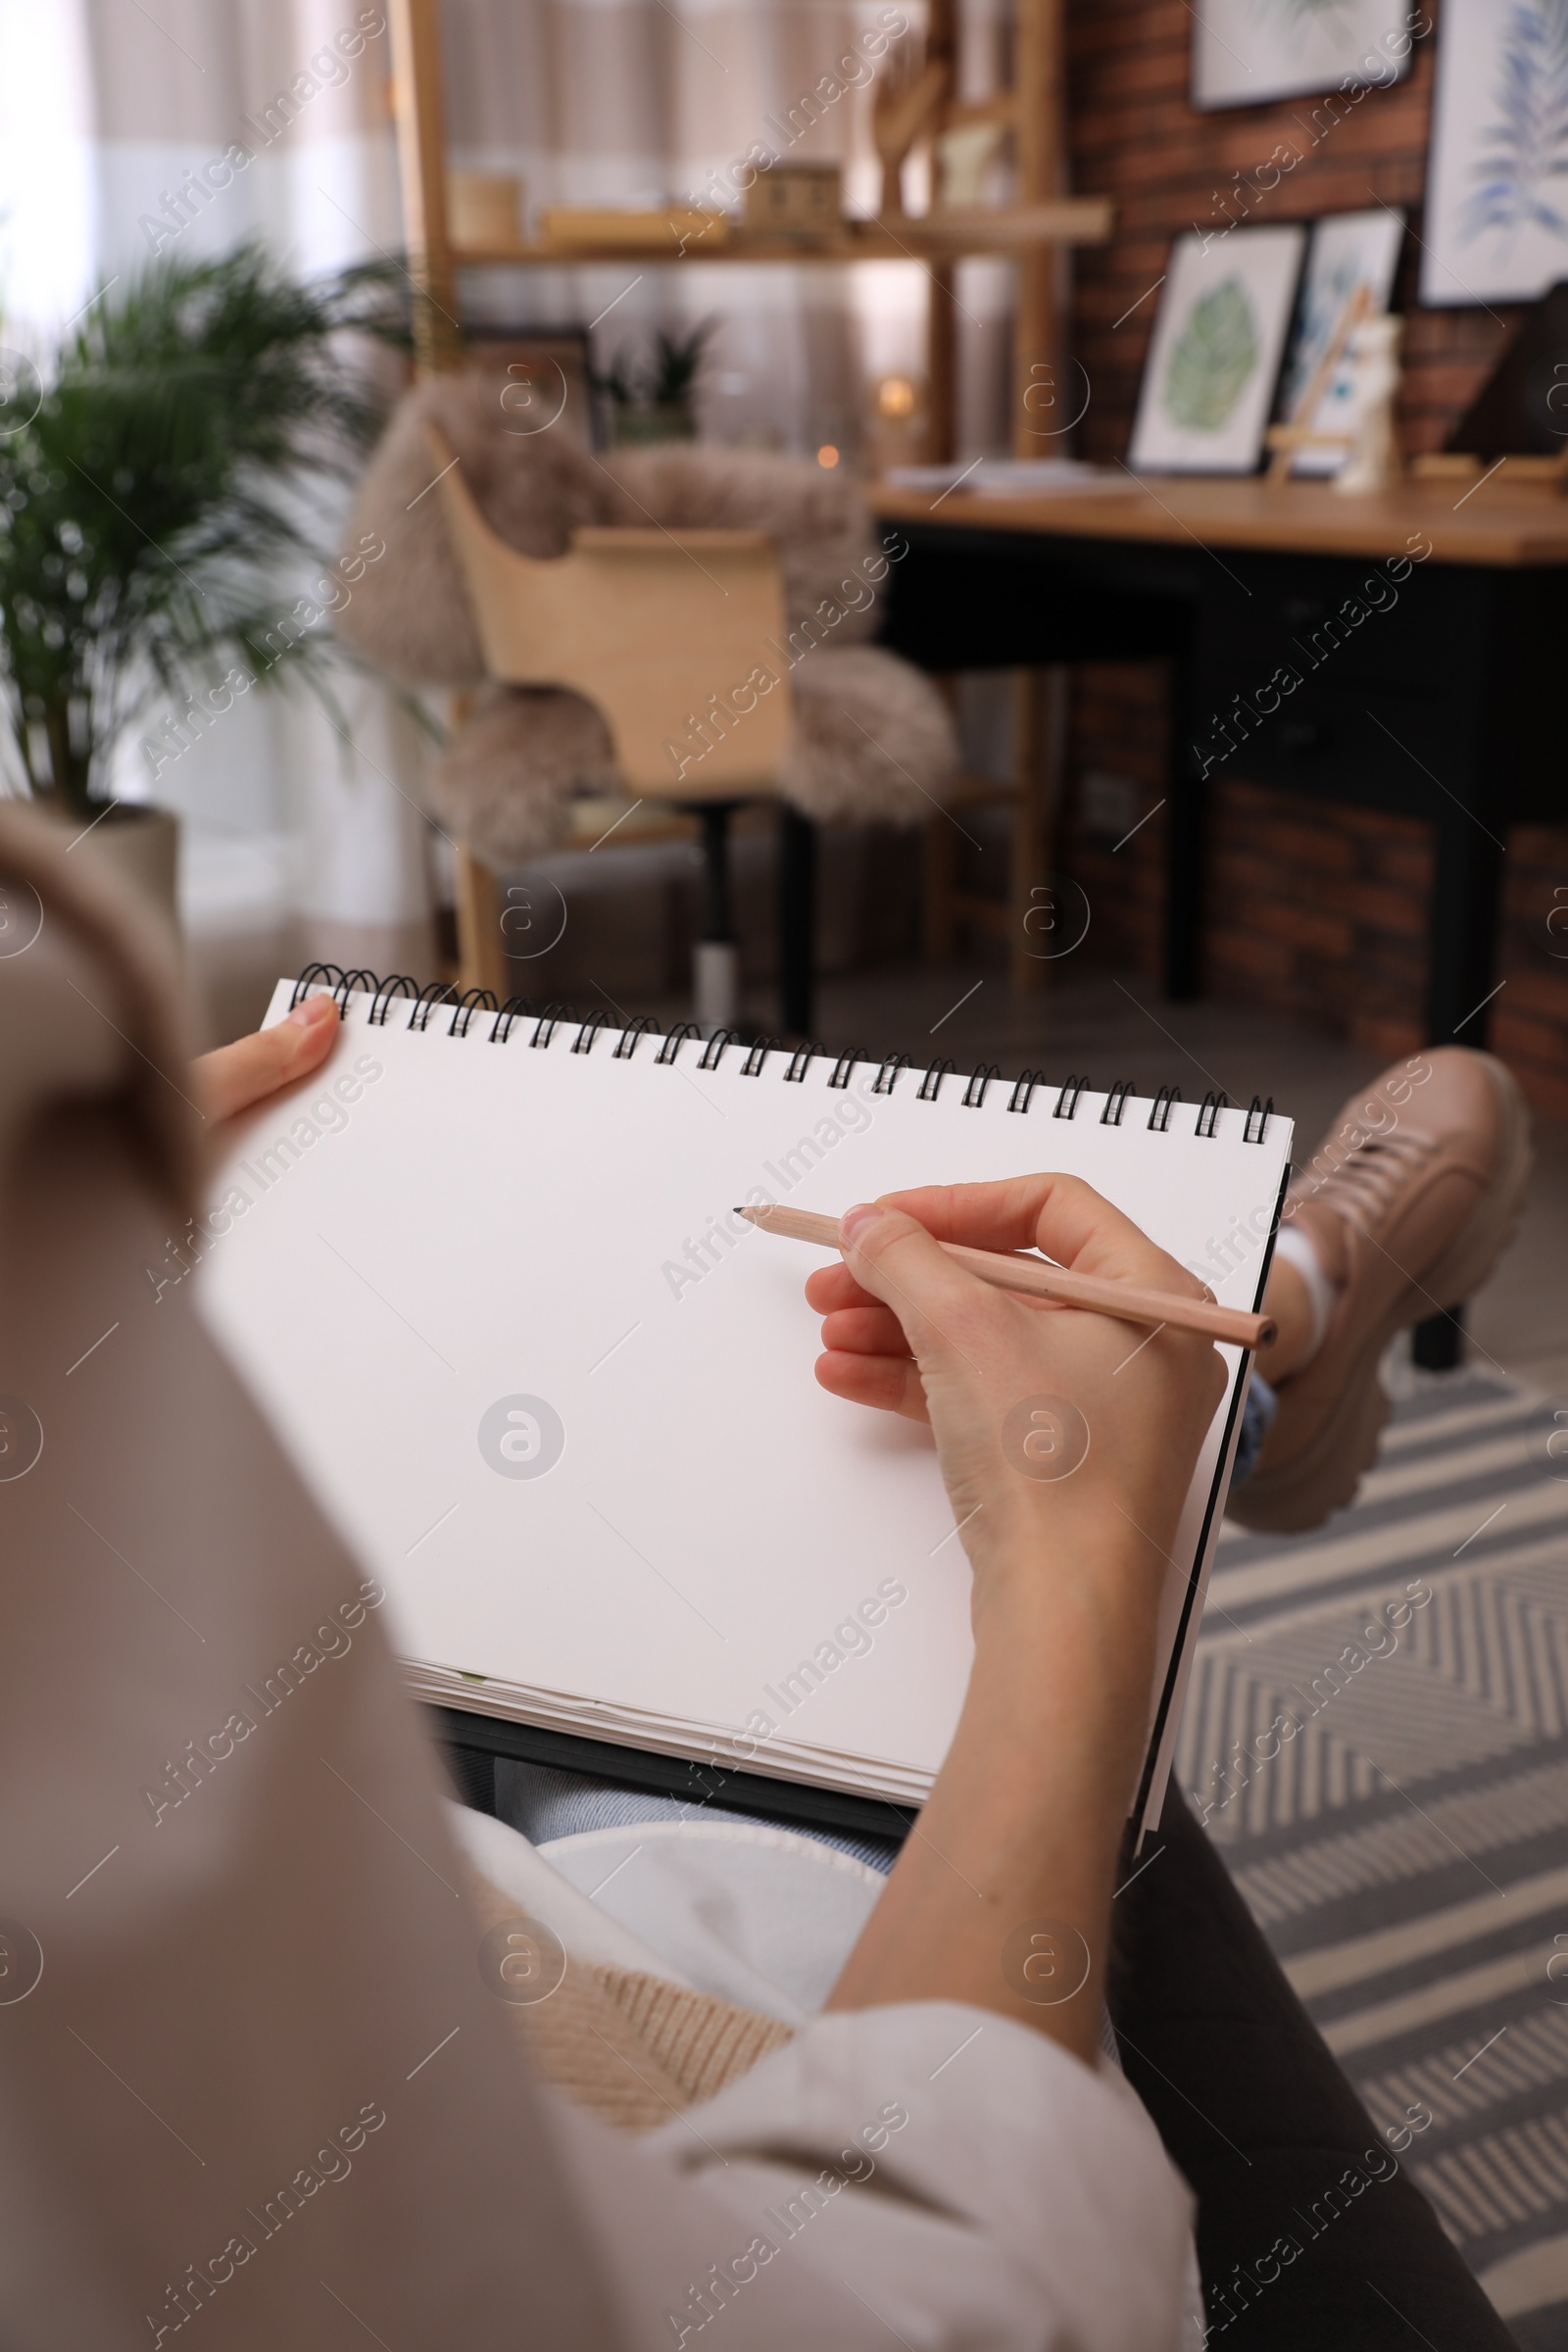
x: 1040, y: 1279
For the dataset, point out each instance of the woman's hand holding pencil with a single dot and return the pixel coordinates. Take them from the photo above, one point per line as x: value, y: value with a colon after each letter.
x: 909, y: 1327
x: 1067, y: 1440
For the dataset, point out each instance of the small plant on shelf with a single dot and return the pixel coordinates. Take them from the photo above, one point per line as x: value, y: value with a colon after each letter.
x: 655, y: 399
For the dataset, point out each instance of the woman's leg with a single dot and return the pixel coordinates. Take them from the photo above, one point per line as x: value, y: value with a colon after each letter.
x: 1310, y: 2233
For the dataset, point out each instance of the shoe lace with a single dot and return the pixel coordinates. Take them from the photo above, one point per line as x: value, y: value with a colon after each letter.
x: 1363, y: 1186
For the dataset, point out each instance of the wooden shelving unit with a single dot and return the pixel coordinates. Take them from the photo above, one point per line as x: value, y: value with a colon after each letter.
x: 1036, y: 229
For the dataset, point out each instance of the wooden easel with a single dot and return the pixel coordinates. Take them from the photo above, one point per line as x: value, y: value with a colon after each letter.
x: 1289, y: 439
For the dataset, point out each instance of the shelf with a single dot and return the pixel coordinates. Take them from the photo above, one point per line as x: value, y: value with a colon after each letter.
x: 1073, y: 220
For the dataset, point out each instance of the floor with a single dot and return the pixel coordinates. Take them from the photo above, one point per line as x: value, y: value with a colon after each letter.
x: 1110, y: 1024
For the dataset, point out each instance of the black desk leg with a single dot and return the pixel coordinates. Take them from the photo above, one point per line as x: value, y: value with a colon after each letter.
x: 1462, y: 949
x: 1462, y: 941
x: 797, y: 921
x: 1186, y: 842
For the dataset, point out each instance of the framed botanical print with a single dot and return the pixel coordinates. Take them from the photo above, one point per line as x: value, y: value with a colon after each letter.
x: 1246, y: 51
x: 1348, y: 251
x: 1215, y: 359
x: 1497, y: 223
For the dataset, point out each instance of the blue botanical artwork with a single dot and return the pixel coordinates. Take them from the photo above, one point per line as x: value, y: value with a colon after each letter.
x: 1524, y: 148
x: 1497, y: 185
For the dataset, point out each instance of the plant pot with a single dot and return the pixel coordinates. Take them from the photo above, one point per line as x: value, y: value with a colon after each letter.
x: 137, y: 846
x: 665, y: 420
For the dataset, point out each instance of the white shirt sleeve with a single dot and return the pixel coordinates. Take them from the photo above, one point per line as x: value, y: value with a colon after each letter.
x: 1024, y: 2205
x: 927, y: 2171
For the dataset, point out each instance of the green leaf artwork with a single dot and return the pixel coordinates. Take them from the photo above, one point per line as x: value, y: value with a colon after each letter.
x: 1213, y: 358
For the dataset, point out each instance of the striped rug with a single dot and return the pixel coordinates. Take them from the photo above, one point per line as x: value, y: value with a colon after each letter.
x: 1377, y: 1733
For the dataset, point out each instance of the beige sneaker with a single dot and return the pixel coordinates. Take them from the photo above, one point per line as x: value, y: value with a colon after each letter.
x: 1410, y: 1201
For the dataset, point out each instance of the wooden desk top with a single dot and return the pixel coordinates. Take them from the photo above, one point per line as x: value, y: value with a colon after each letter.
x: 1495, y: 522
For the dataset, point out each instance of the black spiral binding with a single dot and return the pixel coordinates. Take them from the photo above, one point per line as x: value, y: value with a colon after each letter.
x: 675, y: 1040
x: 347, y: 986
x: 438, y: 992
x: 632, y: 1035
x: 549, y: 1022
x: 713, y: 1050
x: 401, y: 988
x: 328, y: 972
x: 396, y: 984
x: 514, y: 1009
x: 474, y: 999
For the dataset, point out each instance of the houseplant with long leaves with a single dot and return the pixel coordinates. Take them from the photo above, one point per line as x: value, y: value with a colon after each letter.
x: 156, y: 501
x: 656, y: 398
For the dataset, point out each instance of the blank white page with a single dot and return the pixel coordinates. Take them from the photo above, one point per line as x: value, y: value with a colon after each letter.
x: 480, y: 1222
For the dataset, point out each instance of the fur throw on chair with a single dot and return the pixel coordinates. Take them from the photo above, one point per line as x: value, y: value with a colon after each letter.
x: 873, y: 738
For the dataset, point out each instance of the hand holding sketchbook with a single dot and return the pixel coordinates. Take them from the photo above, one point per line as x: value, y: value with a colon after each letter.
x: 485, y: 1273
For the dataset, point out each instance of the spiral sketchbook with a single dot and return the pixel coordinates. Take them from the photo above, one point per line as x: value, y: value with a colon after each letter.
x: 482, y: 1272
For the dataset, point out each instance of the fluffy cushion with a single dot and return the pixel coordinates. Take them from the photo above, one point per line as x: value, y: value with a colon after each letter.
x: 410, y: 612
x: 872, y: 739
x: 873, y: 742
x: 504, y: 780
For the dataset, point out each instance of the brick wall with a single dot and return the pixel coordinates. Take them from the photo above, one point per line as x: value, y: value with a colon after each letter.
x: 1530, y: 1019
x: 1316, y: 911
x: 1119, y: 726
x: 1134, y: 137
x: 1324, y: 920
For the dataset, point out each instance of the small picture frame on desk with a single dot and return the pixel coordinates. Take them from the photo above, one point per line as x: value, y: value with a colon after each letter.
x: 1214, y: 360
x: 1352, y: 263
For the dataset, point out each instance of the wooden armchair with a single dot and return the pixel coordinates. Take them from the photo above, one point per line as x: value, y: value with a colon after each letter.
x: 664, y: 632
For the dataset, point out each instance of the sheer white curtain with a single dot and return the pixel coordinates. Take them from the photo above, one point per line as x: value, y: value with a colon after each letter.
x: 184, y: 127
